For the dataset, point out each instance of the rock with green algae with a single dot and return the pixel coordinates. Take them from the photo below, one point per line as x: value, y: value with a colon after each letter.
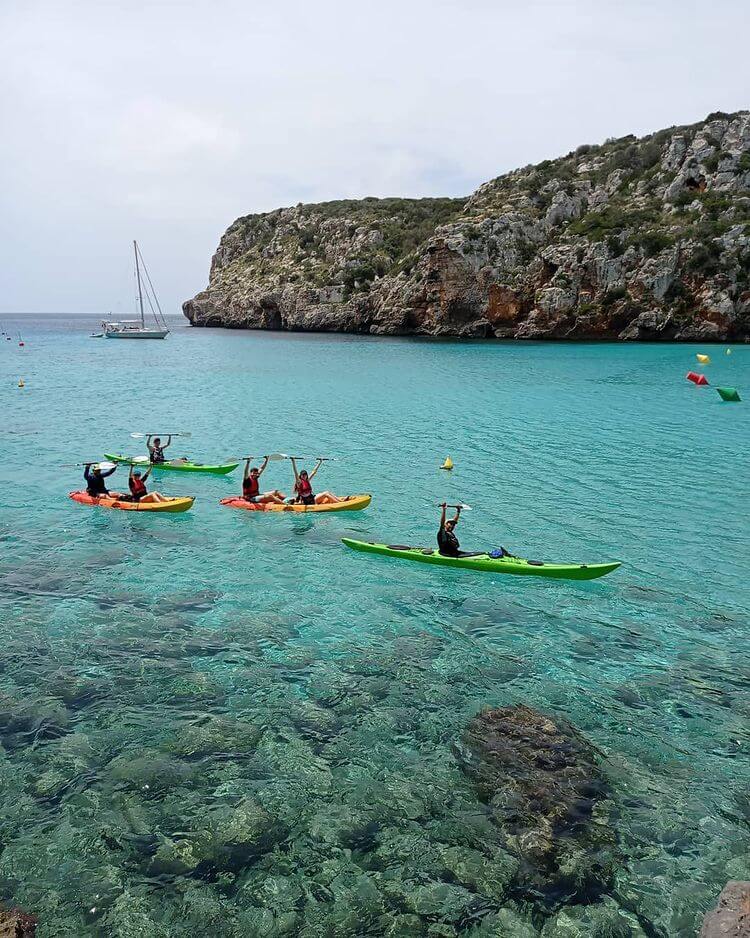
x: 505, y: 923
x: 438, y: 900
x: 603, y: 919
x: 344, y: 826
x: 490, y: 877
x: 23, y: 721
x: 131, y: 916
x: 235, y: 835
x: 402, y: 925
x: 215, y: 736
x: 263, y: 923
x: 149, y: 772
x: 174, y: 858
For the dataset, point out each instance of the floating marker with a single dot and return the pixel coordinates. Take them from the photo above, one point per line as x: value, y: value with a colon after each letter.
x: 20, y: 383
x: 448, y: 464
x: 703, y: 359
x: 696, y: 378
x: 729, y: 394
x: 729, y: 351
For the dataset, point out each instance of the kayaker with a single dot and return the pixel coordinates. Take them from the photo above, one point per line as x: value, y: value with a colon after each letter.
x: 137, y: 486
x: 251, y: 485
x: 156, y: 450
x: 303, y: 488
x: 448, y: 544
x: 95, y: 486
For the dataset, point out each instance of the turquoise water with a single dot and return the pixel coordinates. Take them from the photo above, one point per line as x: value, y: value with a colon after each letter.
x: 225, y: 675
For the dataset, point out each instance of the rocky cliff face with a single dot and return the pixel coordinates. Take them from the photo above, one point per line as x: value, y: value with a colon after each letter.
x: 634, y: 239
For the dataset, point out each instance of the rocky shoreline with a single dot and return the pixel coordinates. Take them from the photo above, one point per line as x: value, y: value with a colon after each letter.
x: 636, y: 239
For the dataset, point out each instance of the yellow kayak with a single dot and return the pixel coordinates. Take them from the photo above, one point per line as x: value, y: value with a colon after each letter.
x: 176, y: 504
x: 350, y: 503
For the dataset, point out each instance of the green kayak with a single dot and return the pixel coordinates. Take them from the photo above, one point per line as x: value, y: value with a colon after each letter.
x: 483, y: 563
x: 173, y: 465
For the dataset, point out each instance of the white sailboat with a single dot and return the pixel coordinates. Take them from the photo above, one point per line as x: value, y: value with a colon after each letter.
x: 136, y: 328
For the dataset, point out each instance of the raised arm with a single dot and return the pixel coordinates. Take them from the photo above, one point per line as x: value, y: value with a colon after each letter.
x: 442, y: 515
x: 294, y: 467
x: 149, y: 447
x: 317, y: 466
x: 247, y: 469
x: 87, y: 471
x: 458, y: 514
x: 108, y: 472
x: 169, y: 440
x: 263, y: 466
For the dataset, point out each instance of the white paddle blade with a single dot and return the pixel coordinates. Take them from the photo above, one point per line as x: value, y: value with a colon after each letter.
x: 138, y: 436
x: 465, y: 507
x: 277, y: 457
x: 104, y: 466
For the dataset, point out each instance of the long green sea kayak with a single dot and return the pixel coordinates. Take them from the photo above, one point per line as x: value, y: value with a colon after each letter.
x: 483, y: 563
x: 173, y: 465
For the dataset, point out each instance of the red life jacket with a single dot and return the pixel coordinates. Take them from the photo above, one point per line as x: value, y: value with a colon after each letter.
x: 304, y: 489
x: 250, y: 487
x: 137, y: 487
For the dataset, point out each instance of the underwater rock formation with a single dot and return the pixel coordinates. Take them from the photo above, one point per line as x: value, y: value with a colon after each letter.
x: 731, y: 917
x: 645, y: 239
x: 547, y: 795
x: 16, y: 924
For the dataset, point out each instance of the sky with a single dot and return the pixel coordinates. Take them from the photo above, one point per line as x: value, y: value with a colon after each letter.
x: 164, y: 120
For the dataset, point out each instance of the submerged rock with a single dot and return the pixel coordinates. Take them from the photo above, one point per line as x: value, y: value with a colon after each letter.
x: 731, y: 917
x: 235, y: 836
x: 16, y: 924
x: 600, y: 920
x: 547, y: 795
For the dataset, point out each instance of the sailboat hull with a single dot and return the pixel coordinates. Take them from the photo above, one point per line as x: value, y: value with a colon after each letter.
x: 137, y: 334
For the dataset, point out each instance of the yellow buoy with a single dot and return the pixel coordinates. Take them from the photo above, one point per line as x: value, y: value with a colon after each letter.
x: 703, y: 359
x: 448, y: 464
x: 20, y: 383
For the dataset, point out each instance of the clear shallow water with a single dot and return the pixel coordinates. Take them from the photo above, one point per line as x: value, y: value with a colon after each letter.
x: 219, y: 674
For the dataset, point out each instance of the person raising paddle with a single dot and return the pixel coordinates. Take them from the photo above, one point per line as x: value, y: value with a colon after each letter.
x: 155, y: 449
x: 303, y: 488
x: 95, y: 477
x: 137, y: 486
x: 251, y: 485
x: 448, y: 544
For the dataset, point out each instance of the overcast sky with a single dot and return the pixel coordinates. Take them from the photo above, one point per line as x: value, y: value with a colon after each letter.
x: 165, y: 120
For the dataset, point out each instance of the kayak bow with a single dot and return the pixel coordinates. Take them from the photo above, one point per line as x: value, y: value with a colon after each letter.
x: 483, y: 563
x: 171, y: 505
x: 173, y: 465
x: 352, y: 503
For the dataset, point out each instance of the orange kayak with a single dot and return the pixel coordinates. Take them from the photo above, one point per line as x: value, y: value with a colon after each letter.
x: 351, y: 503
x: 178, y: 503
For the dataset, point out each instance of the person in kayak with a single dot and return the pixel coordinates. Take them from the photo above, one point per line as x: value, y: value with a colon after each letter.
x: 448, y: 544
x: 95, y: 477
x: 156, y: 450
x: 303, y: 493
x: 138, y: 490
x: 251, y: 485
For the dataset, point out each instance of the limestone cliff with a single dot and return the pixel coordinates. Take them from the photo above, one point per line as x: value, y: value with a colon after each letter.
x: 634, y: 239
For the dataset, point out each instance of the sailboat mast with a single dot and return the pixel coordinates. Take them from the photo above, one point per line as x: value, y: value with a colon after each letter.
x: 138, y: 278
